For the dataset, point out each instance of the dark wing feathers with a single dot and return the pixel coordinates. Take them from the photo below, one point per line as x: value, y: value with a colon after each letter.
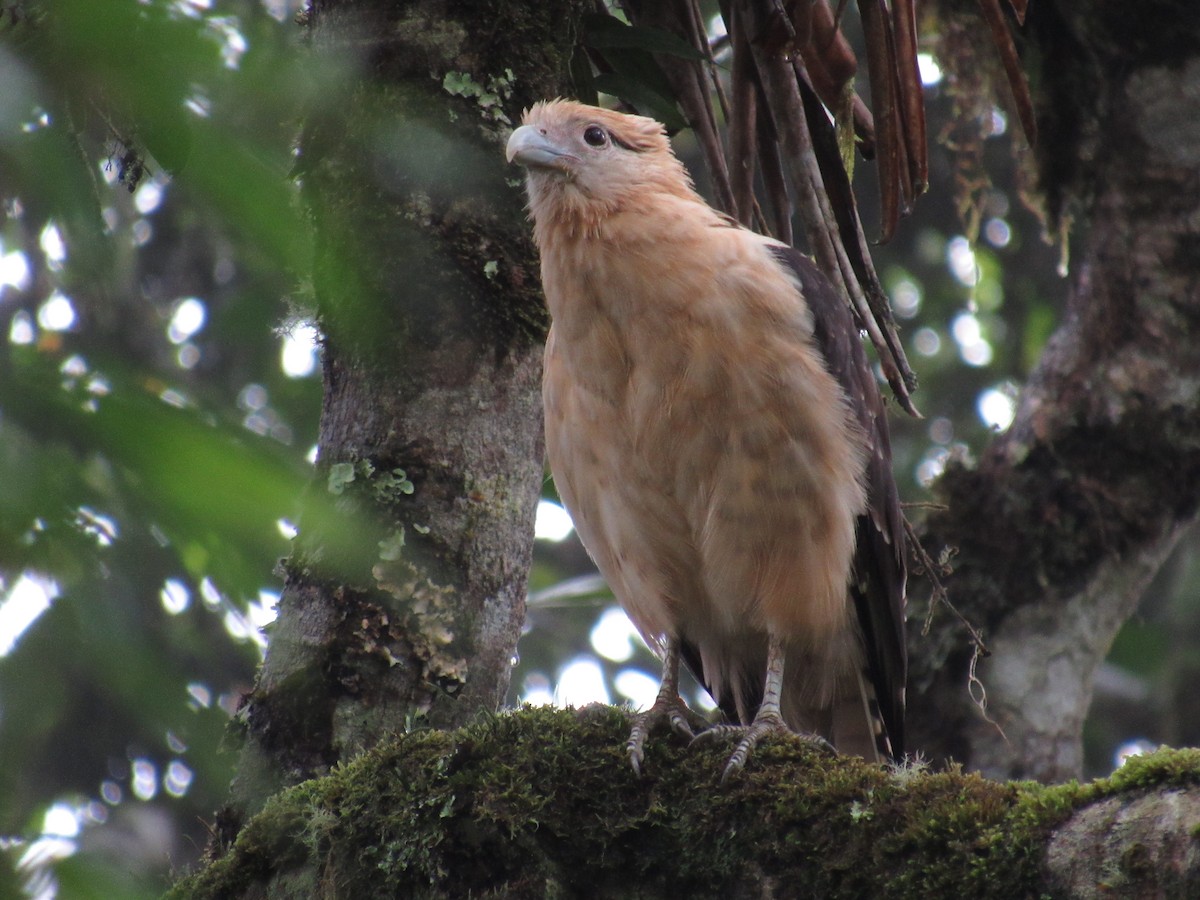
x: 879, y: 575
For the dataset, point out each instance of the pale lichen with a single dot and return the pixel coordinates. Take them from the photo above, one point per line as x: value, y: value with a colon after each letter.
x: 429, y: 614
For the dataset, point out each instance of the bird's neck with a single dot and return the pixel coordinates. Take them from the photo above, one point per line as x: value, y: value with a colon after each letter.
x: 626, y: 266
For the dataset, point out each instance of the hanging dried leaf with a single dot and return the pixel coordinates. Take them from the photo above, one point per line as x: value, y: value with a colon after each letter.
x: 912, y: 97
x: 1003, y: 39
x: 790, y: 113
x: 890, y: 150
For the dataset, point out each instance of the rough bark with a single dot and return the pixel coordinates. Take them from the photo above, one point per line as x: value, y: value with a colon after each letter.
x: 405, y: 594
x: 1060, y: 527
x: 542, y: 803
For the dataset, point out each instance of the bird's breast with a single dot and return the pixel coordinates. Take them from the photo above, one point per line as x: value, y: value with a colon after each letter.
x: 700, y: 442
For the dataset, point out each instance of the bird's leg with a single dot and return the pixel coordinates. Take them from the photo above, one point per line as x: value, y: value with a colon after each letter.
x: 668, y: 704
x: 768, y: 719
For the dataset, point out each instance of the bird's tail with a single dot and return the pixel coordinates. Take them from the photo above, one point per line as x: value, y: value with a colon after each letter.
x: 857, y: 725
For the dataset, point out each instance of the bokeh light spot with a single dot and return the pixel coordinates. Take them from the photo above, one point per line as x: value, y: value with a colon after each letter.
x: 613, y: 636
x: 930, y: 71
x: 21, y: 331
x: 553, y: 523
x: 996, y: 408
x: 144, y: 783
x: 22, y: 605
x: 187, y: 319
x: 961, y: 260
x: 298, y: 355
x: 57, y: 313
x: 175, y: 596
x: 178, y: 778
x: 580, y: 683
x: 52, y: 244
x: 997, y: 232
x: 638, y: 687
x: 926, y: 342
x: 14, y: 270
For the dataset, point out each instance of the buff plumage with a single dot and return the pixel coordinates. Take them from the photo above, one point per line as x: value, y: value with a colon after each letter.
x: 714, y: 429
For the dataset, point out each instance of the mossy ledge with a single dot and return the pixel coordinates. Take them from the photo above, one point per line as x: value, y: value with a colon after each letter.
x: 543, y: 803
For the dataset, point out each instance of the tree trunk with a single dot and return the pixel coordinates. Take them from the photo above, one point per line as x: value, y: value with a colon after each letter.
x: 405, y: 594
x: 1069, y: 514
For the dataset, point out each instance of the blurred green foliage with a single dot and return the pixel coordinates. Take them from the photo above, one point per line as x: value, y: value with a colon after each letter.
x: 149, y: 465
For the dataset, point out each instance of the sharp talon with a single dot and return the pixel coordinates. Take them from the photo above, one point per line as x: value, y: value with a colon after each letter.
x: 751, y: 735
x: 634, y: 748
x: 679, y: 724
x: 754, y: 733
x: 672, y: 710
x: 718, y: 731
x: 819, y: 742
x: 737, y: 760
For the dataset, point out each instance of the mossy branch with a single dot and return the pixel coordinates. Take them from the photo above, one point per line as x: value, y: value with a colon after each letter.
x: 543, y: 803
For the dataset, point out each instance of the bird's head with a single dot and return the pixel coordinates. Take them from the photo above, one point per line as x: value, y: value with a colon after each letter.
x: 587, y: 162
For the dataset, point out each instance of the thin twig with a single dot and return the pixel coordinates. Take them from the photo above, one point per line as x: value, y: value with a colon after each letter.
x: 787, y: 110
x: 700, y: 36
x: 770, y: 164
x: 940, y: 597
x: 782, y: 86
x: 977, y: 691
x: 743, y: 128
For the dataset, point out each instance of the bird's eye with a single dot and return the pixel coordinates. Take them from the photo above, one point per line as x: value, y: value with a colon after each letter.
x: 595, y: 136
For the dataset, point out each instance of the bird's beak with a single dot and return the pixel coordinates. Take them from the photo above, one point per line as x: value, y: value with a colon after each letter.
x: 529, y: 147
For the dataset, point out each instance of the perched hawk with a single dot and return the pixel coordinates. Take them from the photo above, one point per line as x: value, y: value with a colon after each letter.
x: 718, y: 437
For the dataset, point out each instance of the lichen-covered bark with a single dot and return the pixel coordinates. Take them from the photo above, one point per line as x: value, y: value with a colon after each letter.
x: 543, y: 803
x: 405, y: 593
x: 1141, y: 844
x: 1068, y: 514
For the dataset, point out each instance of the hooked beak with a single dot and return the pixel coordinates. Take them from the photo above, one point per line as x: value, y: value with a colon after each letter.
x: 529, y: 147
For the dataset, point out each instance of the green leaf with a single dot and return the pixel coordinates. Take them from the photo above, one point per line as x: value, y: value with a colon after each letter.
x: 605, y: 32
x: 91, y: 876
x: 582, y: 78
x: 642, y: 97
x: 212, y: 485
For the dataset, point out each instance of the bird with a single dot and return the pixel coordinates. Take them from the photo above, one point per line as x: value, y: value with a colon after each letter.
x: 716, y: 432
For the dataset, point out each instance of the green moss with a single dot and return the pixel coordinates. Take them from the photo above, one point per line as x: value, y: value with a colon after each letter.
x: 542, y: 802
x: 1165, y: 767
